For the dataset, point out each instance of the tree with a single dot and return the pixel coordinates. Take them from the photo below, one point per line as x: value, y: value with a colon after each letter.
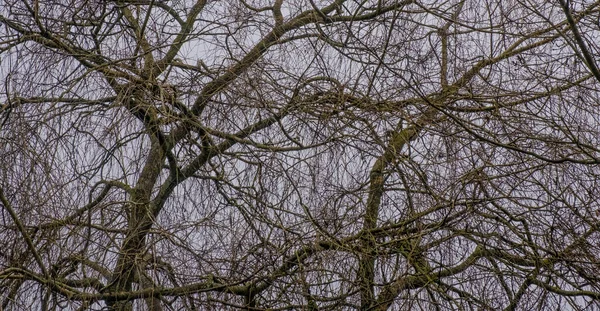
x: 300, y: 154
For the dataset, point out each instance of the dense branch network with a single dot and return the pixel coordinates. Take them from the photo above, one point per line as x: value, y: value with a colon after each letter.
x: 292, y: 154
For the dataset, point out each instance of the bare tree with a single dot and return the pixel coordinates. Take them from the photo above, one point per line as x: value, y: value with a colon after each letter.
x: 299, y: 155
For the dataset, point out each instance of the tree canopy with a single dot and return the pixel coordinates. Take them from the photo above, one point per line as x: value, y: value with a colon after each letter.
x: 299, y: 155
